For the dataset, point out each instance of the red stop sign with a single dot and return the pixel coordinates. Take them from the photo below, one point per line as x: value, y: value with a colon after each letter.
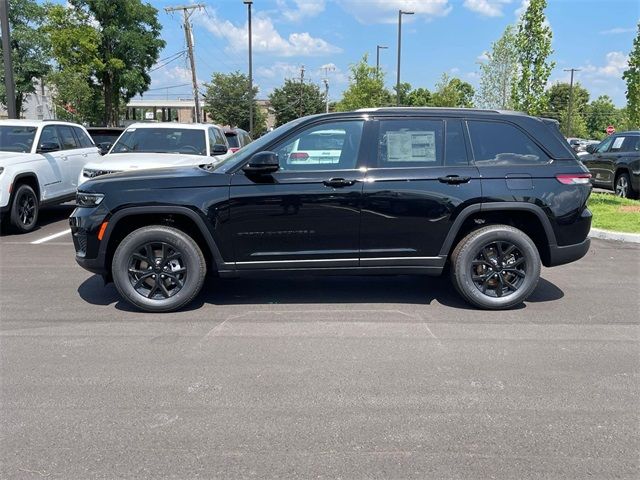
x: 610, y: 130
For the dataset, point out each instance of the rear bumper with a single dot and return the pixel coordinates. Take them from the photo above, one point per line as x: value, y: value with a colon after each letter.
x: 559, y: 255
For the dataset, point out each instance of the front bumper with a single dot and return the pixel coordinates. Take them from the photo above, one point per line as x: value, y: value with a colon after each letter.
x: 85, y: 224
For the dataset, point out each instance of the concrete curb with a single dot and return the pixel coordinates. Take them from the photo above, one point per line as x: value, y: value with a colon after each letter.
x: 616, y: 236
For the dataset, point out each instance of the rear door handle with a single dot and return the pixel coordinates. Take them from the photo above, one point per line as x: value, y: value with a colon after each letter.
x: 454, y: 179
x: 338, y: 182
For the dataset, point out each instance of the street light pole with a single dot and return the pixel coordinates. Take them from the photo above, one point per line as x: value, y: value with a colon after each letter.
x: 400, y: 13
x: 249, y: 3
x: 378, y: 48
x: 9, y: 84
x: 572, y: 70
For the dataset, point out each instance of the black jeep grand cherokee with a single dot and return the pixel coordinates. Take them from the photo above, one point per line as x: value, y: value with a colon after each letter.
x: 490, y: 195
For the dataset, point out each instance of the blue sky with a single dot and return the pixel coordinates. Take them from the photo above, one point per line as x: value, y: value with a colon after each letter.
x: 443, y: 36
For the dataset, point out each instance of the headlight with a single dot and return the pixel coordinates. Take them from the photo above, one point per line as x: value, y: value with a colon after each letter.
x: 88, y: 199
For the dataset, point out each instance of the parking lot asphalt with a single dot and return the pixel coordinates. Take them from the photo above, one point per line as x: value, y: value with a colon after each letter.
x: 336, y: 377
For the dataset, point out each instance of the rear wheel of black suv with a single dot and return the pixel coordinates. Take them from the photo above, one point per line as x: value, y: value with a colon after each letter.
x: 623, y: 186
x: 158, y: 268
x: 495, y: 267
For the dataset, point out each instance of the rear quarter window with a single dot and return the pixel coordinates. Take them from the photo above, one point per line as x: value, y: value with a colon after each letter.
x: 499, y: 144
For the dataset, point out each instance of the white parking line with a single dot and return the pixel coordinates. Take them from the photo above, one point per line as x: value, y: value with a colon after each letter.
x: 51, y: 237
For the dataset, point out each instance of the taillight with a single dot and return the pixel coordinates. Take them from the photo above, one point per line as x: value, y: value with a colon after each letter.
x: 233, y: 149
x: 573, y: 178
x: 299, y: 156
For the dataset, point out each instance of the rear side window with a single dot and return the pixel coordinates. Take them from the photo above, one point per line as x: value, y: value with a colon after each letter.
x: 410, y: 143
x: 455, y: 150
x: 67, y: 137
x: 83, y: 138
x: 499, y: 144
x: 631, y: 144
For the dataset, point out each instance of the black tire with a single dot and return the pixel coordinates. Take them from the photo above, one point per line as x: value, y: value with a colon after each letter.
x: 622, y: 186
x: 155, y: 261
x: 24, y: 209
x: 495, y: 267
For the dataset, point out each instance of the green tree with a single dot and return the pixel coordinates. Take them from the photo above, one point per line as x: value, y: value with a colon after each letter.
x: 533, y: 45
x: 29, y: 48
x: 632, y: 77
x: 498, y: 73
x: 295, y: 99
x: 75, y: 46
x: 227, y: 101
x: 420, y: 97
x: 558, y: 108
x: 405, y: 90
x: 366, y: 88
x: 127, y: 44
x: 452, y: 92
x: 601, y: 113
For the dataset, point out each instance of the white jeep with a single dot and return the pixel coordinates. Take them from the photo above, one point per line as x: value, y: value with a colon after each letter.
x: 39, y: 164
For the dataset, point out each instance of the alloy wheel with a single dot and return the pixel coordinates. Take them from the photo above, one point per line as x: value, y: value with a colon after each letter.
x: 26, y: 209
x: 157, y: 270
x: 622, y: 186
x: 499, y: 269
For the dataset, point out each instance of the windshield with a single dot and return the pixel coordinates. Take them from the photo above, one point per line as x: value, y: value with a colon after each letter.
x: 15, y: 138
x: 161, y: 140
x: 256, y: 146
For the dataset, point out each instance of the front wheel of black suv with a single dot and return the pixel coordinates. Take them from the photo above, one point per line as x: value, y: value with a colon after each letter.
x: 495, y: 267
x: 158, y: 268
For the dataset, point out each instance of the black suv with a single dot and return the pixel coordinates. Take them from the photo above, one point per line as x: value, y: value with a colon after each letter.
x: 615, y: 163
x: 488, y: 195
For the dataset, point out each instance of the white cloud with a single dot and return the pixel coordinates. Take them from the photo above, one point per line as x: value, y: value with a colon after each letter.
x: 483, y: 57
x: 279, y: 70
x: 522, y: 8
x: 616, y: 31
x: 301, y: 9
x: 616, y: 64
x: 386, y: 11
x: 488, y: 8
x: 266, y: 39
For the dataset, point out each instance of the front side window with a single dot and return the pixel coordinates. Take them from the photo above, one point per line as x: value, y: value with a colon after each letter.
x: 330, y: 146
x: 16, y: 138
x: 604, y: 145
x: 161, y: 140
x: 67, y: 137
x: 50, y: 135
x: 497, y: 144
x: 232, y: 139
x: 410, y: 143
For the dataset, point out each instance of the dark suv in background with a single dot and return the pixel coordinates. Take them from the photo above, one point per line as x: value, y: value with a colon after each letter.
x: 487, y: 195
x: 615, y: 164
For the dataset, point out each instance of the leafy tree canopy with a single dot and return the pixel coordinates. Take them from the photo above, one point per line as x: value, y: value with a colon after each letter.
x: 295, y: 99
x: 366, y: 88
x: 632, y: 77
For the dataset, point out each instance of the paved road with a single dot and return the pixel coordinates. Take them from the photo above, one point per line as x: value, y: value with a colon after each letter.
x: 382, y: 377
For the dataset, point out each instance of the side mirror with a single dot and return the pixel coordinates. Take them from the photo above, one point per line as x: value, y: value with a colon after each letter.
x: 591, y: 148
x: 48, y: 147
x: 104, y: 147
x: 262, y: 163
x: 218, y: 149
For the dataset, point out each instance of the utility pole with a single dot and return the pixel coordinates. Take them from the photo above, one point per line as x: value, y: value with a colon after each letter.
x: 327, y: 68
x: 187, y: 11
x: 572, y: 70
x: 378, y: 48
x: 248, y: 3
x: 9, y: 84
x: 400, y: 13
x: 300, y: 110
x: 326, y: 94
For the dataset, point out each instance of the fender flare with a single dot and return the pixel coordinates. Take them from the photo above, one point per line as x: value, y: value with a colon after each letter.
x: 159, y: 209
x: 22, y: 175
x: 492, y: 207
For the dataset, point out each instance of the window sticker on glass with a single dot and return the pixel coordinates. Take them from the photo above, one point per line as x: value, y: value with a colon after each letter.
x: 617, y: 143
x: 411, y: 146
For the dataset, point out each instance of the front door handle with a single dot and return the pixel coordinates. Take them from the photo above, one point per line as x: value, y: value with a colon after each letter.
x: 338, y: 182
x: 454, y: 179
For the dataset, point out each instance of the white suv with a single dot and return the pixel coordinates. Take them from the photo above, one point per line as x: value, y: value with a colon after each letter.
x: 160, y: 145
x: 39, y: 164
